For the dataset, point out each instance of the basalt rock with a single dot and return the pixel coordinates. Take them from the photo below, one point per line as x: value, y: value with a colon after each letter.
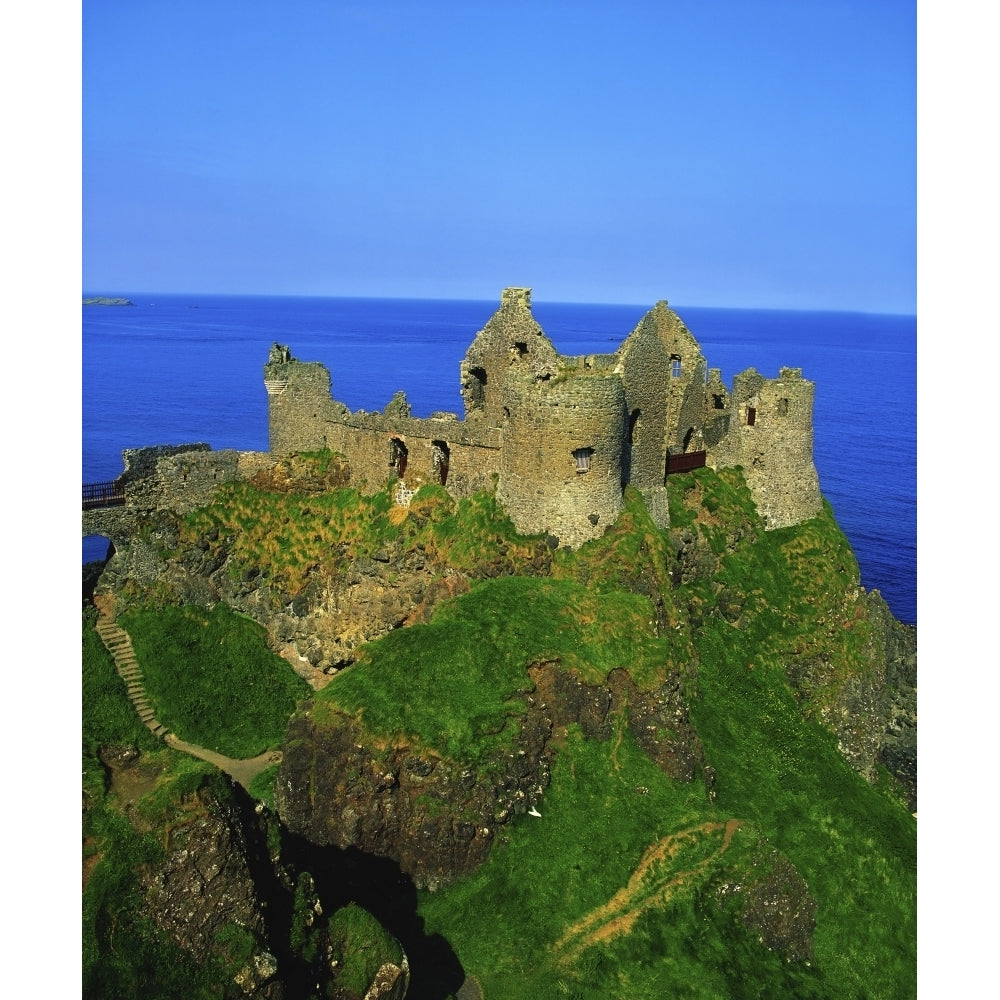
x: 208, y: 884
x: 438, y: 818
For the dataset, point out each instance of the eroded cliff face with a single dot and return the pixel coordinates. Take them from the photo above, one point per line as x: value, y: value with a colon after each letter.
x: 341, y: 785
x: 228, y: 891
x: 437, y: 818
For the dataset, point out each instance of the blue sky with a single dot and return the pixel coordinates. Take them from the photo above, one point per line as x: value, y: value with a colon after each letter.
x: 755, y: 153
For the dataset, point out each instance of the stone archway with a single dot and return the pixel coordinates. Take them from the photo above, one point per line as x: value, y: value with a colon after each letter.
x: 398, y: 456
x: 97, y: 548
x: 440, y: 460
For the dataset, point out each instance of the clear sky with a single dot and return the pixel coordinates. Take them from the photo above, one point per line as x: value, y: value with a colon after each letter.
x: 756, y: 153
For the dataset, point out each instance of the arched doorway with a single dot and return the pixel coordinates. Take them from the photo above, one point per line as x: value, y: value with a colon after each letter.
x: 440, y: 460
x: 398, y: 454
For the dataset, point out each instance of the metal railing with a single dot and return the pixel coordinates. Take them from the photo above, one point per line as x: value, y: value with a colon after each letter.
x: 107, y: 494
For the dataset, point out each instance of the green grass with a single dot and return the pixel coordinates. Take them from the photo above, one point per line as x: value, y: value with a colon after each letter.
x: 212, y: 680
x: 362, y: 946
x: 123, y: 953
x: 764, y: 603
x: 780, y: 773
x: 606, y: 806
x: 453, y: 684
x: 854, y: 846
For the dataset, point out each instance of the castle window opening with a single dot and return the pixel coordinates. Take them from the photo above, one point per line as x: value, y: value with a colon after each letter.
x: 687, y: 438
x: 477, y: 388
x: 751, y: 416
x: 520, y: 348
x: 582, y: 456
x: 718, y: 401
x: 782, y: 407
x: 398, y: 454
x: 675, y: 366
x: 440, y: 458
x: 634, y: 426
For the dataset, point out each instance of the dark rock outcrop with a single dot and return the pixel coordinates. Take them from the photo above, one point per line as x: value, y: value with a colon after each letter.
x: 438, y: 818
x: 435, y: 817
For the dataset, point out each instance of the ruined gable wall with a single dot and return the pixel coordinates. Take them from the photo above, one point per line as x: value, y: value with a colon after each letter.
x: 540, y: 486
x: 686, y: 382
x: 511, y: 339
x: 645, y: 371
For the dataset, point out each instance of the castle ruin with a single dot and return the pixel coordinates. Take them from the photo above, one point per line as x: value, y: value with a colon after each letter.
x: 561, y: 437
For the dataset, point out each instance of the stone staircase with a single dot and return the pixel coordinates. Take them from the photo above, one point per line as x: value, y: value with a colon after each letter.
x: 119, y: 645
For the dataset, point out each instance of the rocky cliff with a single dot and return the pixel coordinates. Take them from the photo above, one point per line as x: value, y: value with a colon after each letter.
x: 670, y: 708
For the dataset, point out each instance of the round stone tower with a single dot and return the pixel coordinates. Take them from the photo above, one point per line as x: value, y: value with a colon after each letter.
x: 561, y: 466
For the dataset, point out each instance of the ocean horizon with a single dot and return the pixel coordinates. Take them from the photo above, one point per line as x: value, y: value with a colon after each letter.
x: 185, y: 368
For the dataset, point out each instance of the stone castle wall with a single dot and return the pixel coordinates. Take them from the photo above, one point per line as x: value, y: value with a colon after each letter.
x: 183, y: 477
x: 559, y: 437
x: 771, y: 437
x: 561, y: 465
x: 445, y: 451
x: 645, y: 369
x: 180, y: 478
x: 302, y: 416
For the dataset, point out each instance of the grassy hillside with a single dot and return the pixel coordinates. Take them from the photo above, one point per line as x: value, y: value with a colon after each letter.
x: 778, y: 872
x: 631, y: 884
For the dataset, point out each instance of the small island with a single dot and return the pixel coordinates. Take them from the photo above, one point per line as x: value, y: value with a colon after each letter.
x: 105, y: 300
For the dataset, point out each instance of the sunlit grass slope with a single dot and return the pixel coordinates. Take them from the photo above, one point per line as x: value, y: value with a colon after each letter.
x: 211, y: 678
x: 624, y: 887
x: 452, y: 684
x: 630, y: 884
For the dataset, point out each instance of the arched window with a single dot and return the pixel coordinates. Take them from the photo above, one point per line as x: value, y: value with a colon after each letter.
x: 634, y: 426
x: 582, y: 456
x: 440, y: 456
x: 398, y: 453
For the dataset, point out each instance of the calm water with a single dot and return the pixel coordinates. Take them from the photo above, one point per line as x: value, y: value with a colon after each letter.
x: 181, y: 369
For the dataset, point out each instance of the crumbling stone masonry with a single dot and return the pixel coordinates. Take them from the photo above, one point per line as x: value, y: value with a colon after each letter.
x: 558, y: 437
x: 562, y: 436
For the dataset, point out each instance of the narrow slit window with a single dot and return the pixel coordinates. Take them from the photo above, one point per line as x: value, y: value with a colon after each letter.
x: 398, y: 454
x: 751, y: 416
x: 440, y: 460
x: 582, y: 456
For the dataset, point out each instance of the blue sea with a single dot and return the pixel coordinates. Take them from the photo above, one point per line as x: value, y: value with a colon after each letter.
x: 178, y: 369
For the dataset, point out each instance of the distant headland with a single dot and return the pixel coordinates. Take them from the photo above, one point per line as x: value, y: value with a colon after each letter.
x: 105, y: 300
